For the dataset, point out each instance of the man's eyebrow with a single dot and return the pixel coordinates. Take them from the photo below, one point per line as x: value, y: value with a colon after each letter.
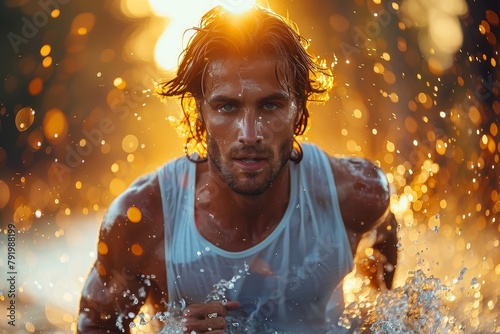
x: 221, y: 98
x: 279, y: 95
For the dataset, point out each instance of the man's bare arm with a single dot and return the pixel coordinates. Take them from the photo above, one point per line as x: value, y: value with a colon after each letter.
x: 129, y: 267
x: 364, y: 198
x: 386, y: 243
x: 107, y: 306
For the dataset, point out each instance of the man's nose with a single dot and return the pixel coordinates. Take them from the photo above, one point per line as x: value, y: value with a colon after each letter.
x: 250, y: 129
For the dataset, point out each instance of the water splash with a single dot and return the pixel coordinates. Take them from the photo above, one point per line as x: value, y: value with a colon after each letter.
x: 237, y: 321
x: 219, y: 289
x: 173, y: 321
x: 418, y: 306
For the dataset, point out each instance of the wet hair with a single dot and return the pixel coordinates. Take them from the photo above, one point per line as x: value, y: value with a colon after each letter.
x: 258, y: 31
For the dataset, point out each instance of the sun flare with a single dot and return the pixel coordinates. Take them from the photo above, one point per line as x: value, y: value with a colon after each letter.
x: 181, y: 17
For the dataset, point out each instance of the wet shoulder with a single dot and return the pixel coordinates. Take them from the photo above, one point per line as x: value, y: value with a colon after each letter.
x: 363, y: 192
x: 142, y: 194
x: 135, y: 217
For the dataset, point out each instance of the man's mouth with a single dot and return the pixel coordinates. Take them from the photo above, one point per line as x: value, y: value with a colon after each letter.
x: 250, y: 163
x: 250, y: 160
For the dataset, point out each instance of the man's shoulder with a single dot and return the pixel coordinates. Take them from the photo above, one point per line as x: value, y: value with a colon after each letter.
x: 363, y: 191
x: 352, y: 169
x: 139, y: 202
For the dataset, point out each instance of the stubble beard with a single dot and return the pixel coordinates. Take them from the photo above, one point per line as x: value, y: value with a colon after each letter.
x: 250, y: 185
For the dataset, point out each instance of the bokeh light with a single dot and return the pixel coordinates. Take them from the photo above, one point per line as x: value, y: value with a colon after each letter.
x: 25, y: 118
x: 55, y: 126
x: 416, y: 91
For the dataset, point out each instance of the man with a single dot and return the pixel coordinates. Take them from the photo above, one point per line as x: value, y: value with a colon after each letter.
x: 280, y: 221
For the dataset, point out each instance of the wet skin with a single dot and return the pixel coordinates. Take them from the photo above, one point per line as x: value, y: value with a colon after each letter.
x: 242, y: 193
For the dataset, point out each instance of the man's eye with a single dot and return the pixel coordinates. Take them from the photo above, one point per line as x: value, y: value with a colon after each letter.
x: 270, y: 106
x: 226, y: 108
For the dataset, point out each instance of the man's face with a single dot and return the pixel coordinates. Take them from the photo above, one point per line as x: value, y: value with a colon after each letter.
x: 250, y: 119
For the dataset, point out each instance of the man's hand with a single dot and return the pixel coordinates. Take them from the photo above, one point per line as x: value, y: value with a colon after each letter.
x: 207, y: 317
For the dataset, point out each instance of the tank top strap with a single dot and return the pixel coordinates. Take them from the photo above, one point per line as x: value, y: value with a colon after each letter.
x: 175, y: 180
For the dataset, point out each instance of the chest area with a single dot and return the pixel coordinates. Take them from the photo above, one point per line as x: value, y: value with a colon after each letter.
x: 289, y: 268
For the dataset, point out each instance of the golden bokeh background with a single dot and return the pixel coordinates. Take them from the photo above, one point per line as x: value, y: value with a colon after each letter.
x: 417, y: 90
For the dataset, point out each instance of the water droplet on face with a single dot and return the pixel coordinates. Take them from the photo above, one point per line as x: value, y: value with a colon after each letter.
x: 211, y: 216
x: 473, y: 281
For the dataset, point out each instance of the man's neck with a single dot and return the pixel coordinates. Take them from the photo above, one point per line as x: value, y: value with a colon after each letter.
x: 236, y: 222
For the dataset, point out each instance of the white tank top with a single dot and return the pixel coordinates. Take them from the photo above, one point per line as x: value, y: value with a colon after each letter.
x: 308, y: 252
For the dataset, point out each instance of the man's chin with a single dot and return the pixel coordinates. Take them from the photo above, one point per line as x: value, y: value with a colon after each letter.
x: 249, y: 191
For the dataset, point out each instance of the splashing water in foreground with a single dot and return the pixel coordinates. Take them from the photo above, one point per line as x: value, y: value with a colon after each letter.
x: 416, y: 307
x: 419, y: 306
x: 236, y: 323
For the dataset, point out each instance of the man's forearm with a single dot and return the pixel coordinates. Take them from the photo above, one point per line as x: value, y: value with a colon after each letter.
x: 386, y: 244
x: 89, y: 326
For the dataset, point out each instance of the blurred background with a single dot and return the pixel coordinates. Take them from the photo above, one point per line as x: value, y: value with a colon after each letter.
x: 417, y: 91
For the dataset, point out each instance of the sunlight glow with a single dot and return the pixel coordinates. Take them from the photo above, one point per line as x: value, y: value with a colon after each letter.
x: 183, y: 16
x: 440, y: 33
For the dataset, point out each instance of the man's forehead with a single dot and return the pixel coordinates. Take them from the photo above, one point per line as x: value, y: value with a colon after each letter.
x: 230, y: 66
x: 261, y: 69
